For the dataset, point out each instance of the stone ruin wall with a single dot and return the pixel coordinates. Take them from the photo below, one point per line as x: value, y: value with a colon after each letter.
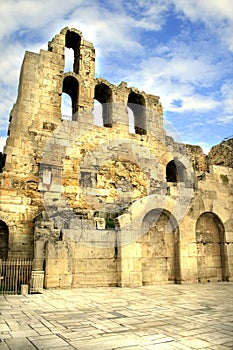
x: 91, y: 204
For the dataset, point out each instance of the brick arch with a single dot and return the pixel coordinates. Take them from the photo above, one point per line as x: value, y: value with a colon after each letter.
x: 212, y: 262
x: 4, y: 240
x: 160, y: 248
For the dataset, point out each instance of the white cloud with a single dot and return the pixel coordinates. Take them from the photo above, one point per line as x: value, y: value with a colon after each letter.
x: 217, y: 15
x: 109, y: 31
x: 196, y: 103
x: 227, y: 97
x: 227, y: 119
x: 206, y: 10
x: 177, y: 79
x: 150, y: 15
x: 11, y: 59
x: 25, y: 15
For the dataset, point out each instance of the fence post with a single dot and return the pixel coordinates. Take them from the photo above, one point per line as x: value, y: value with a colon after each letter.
x: 24, y: 289
x: 37, y: 282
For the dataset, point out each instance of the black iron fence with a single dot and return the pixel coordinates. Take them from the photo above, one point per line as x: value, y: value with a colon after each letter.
x: 13, y: 274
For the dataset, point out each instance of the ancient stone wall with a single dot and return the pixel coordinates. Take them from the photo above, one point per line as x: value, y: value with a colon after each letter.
x: 107, y: 204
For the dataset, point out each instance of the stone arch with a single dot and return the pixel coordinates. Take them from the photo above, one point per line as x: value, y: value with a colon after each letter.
x: 4, y: 240
x: 71, y: 87
x: 212, y: 262
x: 103, y: 94
x: 175, y: 171
x: 160, y: 248
x: 73, y: 41
x: 136, y: 102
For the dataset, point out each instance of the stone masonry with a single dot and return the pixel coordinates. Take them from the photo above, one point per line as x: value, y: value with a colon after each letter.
x: 102, y: 205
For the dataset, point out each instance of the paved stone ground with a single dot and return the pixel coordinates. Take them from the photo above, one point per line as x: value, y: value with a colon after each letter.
x: 159, y: 317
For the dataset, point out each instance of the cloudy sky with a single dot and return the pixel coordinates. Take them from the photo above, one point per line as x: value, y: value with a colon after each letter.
x: 181, y: 50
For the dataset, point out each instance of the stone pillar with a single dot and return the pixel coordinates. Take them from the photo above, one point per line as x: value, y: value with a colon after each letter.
x: 58, y: 271
x: 188, y: 251
x: 130, y: 274
x: 119, y: 109
x: 24, y: 289
x: 39, y: 256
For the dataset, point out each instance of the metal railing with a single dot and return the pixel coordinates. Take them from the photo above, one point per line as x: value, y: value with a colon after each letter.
x: 13, y: 274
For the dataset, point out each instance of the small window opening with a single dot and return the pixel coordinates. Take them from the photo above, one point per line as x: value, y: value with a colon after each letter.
x: 175, y: 171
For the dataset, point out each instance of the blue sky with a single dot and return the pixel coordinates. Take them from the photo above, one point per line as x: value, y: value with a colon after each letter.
x: 180, y: 50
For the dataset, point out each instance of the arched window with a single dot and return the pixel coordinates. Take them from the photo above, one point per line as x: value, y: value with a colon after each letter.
x: 103, y: 94
x: 136, y: 103
x: 4, y: 236
x: 175, y: 171
x: 71, y: 88
x: 73, y: 41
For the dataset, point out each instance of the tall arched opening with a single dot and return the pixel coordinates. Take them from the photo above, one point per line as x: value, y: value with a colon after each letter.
x: 73, y: 41
x: 4, y: 238
x: 160, y: 248
x: 103, y: 94
x: 71, y: 88
x: 136, y: 103
x: 211, y: 249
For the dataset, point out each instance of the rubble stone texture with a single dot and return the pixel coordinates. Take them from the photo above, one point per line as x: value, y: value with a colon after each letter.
x: 108, y: 205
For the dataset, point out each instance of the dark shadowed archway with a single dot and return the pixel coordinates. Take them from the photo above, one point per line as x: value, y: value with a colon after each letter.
x: 103, y: 94
x: 175, y: 171
x: 136, y: 102
x: 71, y: 88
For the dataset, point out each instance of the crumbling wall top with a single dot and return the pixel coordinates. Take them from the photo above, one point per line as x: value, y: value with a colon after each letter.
x: 222, y: 154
